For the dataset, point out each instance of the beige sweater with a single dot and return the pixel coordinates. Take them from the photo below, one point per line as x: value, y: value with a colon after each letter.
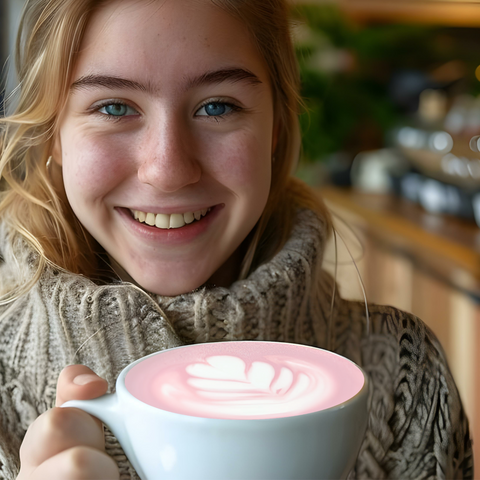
x: 417, y: 427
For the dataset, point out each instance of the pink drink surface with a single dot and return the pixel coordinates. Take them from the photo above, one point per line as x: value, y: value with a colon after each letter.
x: 244, y: 380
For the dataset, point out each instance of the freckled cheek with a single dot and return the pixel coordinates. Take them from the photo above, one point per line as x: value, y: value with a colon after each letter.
x: 242, y: 163
x: 94, y: 166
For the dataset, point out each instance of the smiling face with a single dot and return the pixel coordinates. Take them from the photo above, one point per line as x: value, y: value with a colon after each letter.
x: 166, y: 140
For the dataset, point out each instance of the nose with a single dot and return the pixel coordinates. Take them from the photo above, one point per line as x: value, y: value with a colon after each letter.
x: 168, y: 160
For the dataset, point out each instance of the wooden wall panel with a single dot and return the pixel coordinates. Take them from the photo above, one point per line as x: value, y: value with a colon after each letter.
x: 464, y: 344
x: 432, y: 303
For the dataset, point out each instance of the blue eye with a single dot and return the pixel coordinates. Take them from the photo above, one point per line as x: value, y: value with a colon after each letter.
x: 117, y: 110
x: 215, y: 109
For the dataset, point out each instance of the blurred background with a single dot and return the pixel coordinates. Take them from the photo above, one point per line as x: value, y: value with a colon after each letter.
x: 391, y: 141
x: 391, y: 130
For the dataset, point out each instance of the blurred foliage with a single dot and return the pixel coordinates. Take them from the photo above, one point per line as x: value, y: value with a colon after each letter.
x: 346, y: 72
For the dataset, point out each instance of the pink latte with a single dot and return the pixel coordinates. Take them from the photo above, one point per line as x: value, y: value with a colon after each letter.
x: 244, y: 380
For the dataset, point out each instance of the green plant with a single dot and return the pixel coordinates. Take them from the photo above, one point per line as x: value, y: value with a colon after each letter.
x: 346, y: 72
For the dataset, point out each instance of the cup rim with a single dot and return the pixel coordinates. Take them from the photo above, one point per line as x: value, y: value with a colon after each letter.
x: 120, y: 384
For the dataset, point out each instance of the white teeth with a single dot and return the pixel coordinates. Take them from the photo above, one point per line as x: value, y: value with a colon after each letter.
x: 163, y: 220
x: 150, y: 219
x: 176, y: 220
x: 188, y: 217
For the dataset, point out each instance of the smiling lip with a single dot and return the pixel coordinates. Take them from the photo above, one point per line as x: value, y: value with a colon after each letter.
x: 170, y: 236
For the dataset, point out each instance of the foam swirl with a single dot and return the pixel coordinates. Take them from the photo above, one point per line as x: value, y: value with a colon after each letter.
x: 245, y: 384
x: 226, y: 385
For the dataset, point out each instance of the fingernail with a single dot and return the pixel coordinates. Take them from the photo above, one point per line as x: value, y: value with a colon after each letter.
x: 84, y: 379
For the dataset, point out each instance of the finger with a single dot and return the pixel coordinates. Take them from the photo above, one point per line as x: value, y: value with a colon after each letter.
x: 57, y: 430
x: 78, y: 463
x: 78, y: 382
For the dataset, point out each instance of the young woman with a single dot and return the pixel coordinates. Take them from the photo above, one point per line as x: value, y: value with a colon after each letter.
x: 147, y: 202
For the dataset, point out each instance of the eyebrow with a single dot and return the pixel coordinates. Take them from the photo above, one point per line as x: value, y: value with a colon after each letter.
x: 232, y: 75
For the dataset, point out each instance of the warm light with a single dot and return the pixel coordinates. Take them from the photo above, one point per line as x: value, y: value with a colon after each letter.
x: 477, y: 73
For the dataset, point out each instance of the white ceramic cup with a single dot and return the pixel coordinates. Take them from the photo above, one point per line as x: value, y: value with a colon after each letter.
x: 167, y: 445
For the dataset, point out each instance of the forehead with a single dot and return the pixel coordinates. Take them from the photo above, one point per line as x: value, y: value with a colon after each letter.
x: 157, y: 37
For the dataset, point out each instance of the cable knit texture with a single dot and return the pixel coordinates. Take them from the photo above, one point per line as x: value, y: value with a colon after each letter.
x: 417, y: 427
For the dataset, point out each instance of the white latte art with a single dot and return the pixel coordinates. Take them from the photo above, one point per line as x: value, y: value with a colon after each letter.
x: 288, y: 380
x: 225, y: 385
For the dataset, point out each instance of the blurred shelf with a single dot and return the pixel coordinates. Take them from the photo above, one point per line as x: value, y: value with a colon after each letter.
x: 463, y: 13
x: 449, y: 247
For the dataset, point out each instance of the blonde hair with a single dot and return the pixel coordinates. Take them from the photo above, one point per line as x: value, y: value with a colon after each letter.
x: 49, y: 39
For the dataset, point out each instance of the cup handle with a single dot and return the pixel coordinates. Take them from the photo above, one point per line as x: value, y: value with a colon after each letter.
x: 107, y: 409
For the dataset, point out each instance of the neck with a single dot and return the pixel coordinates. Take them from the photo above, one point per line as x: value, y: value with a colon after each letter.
x: 230, y: 270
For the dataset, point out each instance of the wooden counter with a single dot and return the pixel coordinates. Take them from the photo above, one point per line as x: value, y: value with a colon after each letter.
x: 420, y: 262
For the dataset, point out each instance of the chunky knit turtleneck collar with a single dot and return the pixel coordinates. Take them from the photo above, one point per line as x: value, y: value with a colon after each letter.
x: 273, y: 303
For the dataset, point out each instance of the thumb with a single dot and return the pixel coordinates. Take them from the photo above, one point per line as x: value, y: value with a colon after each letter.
x: 78, y: 382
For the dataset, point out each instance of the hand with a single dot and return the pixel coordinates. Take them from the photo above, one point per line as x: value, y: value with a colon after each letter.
x: 67, y: 443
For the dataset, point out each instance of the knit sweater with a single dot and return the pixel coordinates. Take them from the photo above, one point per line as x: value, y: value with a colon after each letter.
x: 417, y: 427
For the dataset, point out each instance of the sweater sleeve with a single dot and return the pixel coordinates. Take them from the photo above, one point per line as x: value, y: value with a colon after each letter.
x: 16, y: 413
x: 417, y: 426
x: 17, y: 407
